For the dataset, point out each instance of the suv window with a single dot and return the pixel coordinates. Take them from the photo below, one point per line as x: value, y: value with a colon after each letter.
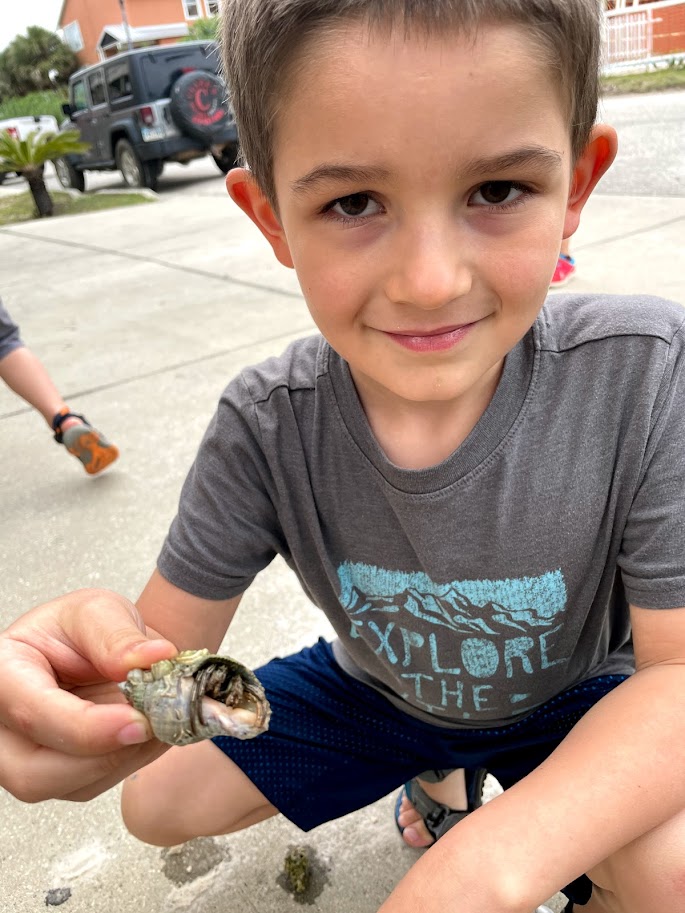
x: 96, y: 84
x: 118, y: 81
x: 80, y: 101
x: 162, y: 69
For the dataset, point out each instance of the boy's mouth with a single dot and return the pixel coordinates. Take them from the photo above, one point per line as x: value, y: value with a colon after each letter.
x: 431, y: 340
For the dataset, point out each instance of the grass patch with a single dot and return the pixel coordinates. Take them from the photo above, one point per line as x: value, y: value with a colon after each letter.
x: 34, y: 103
x: 19, y: 207
x: 672, y: 77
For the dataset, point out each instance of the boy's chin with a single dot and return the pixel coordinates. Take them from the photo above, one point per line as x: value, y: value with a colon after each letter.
x: 434, y: 386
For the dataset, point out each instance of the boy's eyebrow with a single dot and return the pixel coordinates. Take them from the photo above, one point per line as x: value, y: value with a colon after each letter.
x: 538, y: 156
x: 331, y: 171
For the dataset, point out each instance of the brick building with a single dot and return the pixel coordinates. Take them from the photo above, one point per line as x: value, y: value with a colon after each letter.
x: 95, y: 29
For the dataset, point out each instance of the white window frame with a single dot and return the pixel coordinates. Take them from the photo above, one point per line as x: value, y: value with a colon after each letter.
x: 198, y: 6
x: 216, y: 4
x: 72, y: 36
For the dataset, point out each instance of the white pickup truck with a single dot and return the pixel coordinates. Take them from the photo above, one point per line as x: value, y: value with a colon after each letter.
x: 21, y: 127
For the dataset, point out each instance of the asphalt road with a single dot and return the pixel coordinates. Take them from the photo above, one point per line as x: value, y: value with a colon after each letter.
x: 651, y: 140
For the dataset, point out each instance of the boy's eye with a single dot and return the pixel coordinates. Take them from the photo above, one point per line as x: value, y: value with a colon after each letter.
x: 498, y: 193
x: 354, y: 206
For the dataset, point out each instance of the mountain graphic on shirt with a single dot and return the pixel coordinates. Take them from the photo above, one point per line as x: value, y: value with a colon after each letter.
x: 451, y: 609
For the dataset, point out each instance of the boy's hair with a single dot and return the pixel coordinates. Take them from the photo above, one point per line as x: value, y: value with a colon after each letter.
x: 263, y: 38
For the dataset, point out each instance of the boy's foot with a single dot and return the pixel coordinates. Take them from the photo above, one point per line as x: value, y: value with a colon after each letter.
x: 86, y: 443
x: 429, y: 805
x: 566, y: 268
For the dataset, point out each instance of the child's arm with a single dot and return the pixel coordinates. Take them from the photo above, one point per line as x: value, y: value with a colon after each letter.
x: 619, y: 773
x: 63, y: 721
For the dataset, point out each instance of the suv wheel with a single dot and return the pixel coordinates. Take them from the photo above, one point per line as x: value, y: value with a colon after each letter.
x: 227, y: 159
x: 68, y: 176
x: 135, y: 172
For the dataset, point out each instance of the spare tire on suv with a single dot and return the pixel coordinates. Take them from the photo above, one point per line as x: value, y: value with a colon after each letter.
x: 198, y: 105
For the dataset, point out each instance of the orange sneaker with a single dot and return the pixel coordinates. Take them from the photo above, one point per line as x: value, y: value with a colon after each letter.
x: 86, y: 443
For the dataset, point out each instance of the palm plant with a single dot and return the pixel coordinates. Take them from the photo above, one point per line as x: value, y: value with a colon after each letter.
x: 28, y: 157
x: 26, y: 62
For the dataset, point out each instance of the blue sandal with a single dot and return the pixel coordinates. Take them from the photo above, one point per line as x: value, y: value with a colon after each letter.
x: 437, y: 817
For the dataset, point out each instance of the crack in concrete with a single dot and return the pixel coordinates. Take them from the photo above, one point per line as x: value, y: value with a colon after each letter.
x: 167, y: 368
x: 631, y: 234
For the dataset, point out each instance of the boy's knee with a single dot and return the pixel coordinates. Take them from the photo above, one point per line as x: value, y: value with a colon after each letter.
x: 195, y: 791
x: 146, y: 815
x: 647, y: 874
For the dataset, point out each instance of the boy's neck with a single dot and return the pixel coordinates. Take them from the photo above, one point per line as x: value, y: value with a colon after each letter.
x: 417, y: 435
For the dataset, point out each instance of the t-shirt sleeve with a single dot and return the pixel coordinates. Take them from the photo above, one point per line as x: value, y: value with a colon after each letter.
x: 652, y: 558
x: 226, y: 529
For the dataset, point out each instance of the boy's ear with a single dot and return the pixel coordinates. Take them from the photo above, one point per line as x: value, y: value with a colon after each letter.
x: 591, y: 165
x: 244, y: 191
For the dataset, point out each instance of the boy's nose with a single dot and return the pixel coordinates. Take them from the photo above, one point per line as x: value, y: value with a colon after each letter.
x: 429, y: 270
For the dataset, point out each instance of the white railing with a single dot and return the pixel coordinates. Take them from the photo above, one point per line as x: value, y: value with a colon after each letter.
x: 634, y: 34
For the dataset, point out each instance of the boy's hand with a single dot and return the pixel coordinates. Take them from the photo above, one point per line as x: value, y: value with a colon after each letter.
x: 66, y: 732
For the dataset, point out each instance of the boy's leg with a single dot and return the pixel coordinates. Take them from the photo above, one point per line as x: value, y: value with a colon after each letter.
x: 194, y: 791
x: 646, y: 876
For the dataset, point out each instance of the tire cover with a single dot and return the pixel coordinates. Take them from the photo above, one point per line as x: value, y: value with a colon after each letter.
x: 198, y: 105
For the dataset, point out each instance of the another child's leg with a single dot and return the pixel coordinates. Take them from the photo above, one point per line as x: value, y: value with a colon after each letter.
x: 27, y: 377
x: 25, y: 374
x: 646, y: 876
x: 194, y: 791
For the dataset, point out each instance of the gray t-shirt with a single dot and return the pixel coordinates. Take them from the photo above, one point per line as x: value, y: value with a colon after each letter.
x: 474, y: 590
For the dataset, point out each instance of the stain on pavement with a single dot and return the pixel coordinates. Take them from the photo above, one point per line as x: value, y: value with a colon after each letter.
x: 303, y: 859
x: 189, y: 861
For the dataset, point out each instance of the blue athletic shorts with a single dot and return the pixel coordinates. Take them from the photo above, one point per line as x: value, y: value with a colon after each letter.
x: 335, y: 745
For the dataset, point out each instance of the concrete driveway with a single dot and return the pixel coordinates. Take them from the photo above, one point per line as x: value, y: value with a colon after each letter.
x: 141, y: 316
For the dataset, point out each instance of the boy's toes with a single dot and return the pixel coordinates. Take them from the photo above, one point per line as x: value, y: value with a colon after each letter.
x: 417, y: 836
x: 414, y: 831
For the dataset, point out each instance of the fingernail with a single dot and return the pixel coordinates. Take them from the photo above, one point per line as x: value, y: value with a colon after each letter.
x: 153, y: 646
x: 134, y: 734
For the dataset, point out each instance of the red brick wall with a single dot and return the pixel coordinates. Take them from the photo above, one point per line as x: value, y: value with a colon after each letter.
x: 669, y: 34
x: 94, y: 15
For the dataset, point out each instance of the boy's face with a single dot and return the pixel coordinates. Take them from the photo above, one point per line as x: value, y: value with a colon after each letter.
x: 423, y: 191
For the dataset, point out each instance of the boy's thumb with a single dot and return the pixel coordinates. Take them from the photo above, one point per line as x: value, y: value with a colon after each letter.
x: 108, y: 631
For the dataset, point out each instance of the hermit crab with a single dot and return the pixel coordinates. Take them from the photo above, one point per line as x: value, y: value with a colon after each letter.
x: 198, y: 695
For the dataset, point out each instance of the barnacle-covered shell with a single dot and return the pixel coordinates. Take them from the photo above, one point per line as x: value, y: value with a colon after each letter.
x: 198, y: 695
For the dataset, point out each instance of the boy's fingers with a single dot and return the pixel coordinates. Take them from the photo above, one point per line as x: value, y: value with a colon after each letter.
x: 38, y: 773
x: 46, y: 715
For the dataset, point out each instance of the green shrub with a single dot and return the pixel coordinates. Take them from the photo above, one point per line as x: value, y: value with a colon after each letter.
x: 203, y: 30
x: 33, y: 104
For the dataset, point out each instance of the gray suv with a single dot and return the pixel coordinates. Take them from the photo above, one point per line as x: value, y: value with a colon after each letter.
x: 146, y: 107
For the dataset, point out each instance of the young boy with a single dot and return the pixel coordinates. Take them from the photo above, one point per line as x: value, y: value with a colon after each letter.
x: 484, y: 494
